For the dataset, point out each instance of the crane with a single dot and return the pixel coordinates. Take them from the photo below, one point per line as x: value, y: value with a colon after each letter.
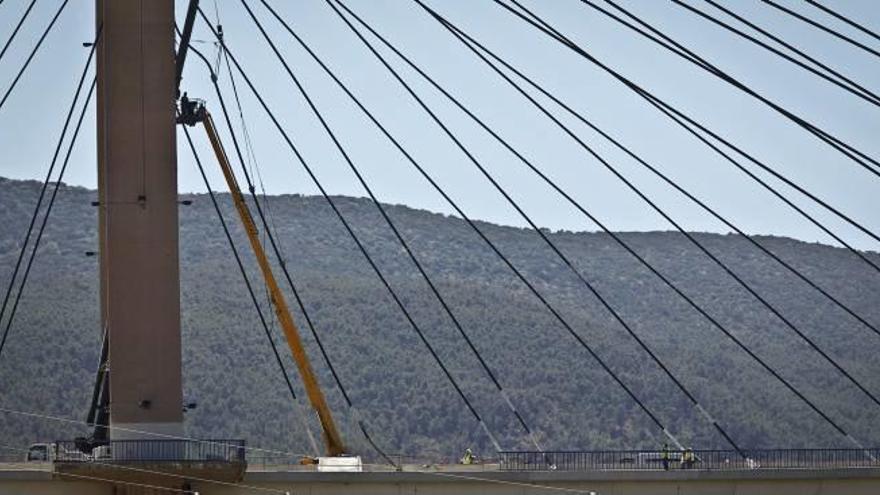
x: 192, y: 113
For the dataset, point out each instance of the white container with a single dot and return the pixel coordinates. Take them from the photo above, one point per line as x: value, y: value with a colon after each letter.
x: 340, y: 464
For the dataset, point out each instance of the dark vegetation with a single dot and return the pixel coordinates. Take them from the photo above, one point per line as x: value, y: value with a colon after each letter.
x: 49, y: 362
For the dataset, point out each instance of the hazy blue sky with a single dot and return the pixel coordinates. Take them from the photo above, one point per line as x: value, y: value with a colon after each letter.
x: 31, y: 120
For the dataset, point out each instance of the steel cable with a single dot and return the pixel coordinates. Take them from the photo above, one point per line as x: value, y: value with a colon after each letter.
x: 279, y: 256
x: 436, y: 292
x: 654, y: 170
x: 761, y: 299
x: 867, y: 162
x: 361, y: 248
x: 551, y: 183
x: 838, y: 79
x: 602, y: 299
x: 16, y: 29
x: 45, y: 220
x: 509, y: 264
x: 33, y: 52
x: 541, y: 25
x: 263, y: 322
x: 679, y: 116
x: 828, y: 30
x: 44, y: 187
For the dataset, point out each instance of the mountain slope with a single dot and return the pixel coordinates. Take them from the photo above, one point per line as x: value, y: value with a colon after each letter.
x: 49, y: 362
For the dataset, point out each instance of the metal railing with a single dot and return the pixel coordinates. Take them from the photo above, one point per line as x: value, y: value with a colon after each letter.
x: 402, y: 462
x: 210, y: 451
x: 233, y: 451
x: 704, y: 460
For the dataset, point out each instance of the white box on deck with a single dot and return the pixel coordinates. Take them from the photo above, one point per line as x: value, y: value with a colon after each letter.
x: 340, y: 464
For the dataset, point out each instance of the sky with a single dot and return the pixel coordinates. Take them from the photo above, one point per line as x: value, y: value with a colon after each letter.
x: 31, y: 120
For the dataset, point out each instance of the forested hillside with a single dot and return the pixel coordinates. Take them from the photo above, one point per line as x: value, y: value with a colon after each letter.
x: 50, y: 359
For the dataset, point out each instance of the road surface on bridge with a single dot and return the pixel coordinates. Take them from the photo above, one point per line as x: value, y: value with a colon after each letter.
x: 36, y: 478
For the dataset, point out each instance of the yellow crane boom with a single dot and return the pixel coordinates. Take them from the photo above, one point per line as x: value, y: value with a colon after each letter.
x: 332, y: 440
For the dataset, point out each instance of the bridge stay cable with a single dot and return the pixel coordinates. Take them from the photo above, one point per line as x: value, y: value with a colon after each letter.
x: 644, y: 93
x: 53, y: 162
x: 249, y: 150
x: 730, y: 335
x: 868, y: 163
x: 261, y: 213
x: 861, y: 158
x: 41, y: 197
x: 17, y: 28
x: 794, y: 49
x: 410, y: 253
x: 541, y: 25
x: 417, y: 69
x: 239, y: 263
x: 827, y: 73
x: 490, y: 131
x: 602, y: 299
x: 494, y: 248
x: 737, y: 278
x: 865, y: 161
x: 267, y: 331
x: 32, y: 54
x: 276, y: 247
x: 692, y: 127
x: 217, y: 208
x: 245, y: 277
x: 45, y: 220
x: 689, y: 124
x: 213, y: 77
x: 471, y: 42
x: 839, y: 80
x: 51, y: 203
x: 383, y: 279
x: 832, y: 32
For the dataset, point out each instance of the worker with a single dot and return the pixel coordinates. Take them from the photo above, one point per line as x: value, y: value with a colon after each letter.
x: 664, y: 456
x: 187, y: 107
x: 188, y: 110
x: 468, y: 457
x: 688, y: 458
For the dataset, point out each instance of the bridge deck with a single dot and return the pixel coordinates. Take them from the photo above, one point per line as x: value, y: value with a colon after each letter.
x: 759, y: 472
x: 447, y: 479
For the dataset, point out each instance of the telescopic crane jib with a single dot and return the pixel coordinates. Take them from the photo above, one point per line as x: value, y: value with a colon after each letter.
x: 193, y: 112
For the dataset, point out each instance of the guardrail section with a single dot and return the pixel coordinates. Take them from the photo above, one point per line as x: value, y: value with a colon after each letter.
x: 658, y: 460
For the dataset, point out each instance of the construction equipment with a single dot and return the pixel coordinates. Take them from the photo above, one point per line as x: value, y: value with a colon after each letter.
x: 192, y: 112
x: 99, y: 407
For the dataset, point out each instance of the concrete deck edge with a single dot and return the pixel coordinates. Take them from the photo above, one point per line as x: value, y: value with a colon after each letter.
x: 550, y: 477
x: 520, y: 477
